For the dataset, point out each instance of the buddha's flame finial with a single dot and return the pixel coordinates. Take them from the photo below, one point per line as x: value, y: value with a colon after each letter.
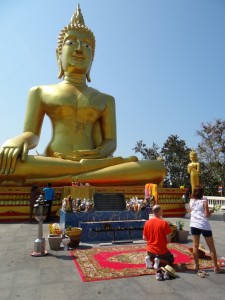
x: 78, y: 18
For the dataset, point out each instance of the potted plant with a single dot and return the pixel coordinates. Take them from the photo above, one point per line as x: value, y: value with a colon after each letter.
x: 173, y: 231
x: 182, y: 234
x: 55, y: 236
x: 74, y: 233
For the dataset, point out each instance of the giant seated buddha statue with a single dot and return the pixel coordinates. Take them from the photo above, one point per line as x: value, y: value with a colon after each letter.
x: 83, y: 122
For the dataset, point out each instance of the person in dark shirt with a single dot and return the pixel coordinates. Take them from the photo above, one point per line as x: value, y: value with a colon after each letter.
x: 49, y: 196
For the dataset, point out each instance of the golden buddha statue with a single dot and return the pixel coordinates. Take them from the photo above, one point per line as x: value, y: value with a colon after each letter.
x: 83, y: 123
x: 194, y: 169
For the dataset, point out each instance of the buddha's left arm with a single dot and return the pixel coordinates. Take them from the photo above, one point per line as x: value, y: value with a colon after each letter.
x: 108, y: 128
x: 196, y: 170
x: 198, y: 167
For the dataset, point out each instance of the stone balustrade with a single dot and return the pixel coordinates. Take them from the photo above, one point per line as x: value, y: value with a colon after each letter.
x: 216, y: 200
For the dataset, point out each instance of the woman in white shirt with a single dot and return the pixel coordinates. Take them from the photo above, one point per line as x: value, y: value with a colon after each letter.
x: 199, y: 224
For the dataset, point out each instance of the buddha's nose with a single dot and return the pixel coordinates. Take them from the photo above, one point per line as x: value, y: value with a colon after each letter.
x: 79, y: 46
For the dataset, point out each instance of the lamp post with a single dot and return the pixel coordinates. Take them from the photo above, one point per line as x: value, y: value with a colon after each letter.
x: 40, y: 212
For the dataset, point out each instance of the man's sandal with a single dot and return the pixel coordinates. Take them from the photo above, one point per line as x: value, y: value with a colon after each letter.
x: 202, y: 274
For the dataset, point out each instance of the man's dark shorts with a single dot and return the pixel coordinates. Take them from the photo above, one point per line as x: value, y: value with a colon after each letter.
x: 197, y: 231
x: 167, y: 256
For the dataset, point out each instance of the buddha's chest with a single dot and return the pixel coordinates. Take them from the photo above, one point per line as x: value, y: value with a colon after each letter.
x: 194, y: 166
x: 73, y: 105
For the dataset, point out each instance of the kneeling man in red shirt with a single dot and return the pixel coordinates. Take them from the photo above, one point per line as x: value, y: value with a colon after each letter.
x: 157, y: 234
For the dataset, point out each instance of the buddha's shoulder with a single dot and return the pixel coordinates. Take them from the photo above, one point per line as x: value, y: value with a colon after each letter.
x: 51, y: 88
x: 45, y: 88
x: 100, y: 95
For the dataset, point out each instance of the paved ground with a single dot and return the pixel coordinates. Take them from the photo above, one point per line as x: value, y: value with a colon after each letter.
x: 55, y: 276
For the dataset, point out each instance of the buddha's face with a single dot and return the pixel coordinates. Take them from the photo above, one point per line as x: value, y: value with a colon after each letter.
x: 193, y: 156
x: 76, y: 54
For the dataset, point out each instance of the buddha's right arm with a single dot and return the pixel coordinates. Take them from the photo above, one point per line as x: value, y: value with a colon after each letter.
x: 14, y: 148
x: 19, y: 146
x: 189, y: 169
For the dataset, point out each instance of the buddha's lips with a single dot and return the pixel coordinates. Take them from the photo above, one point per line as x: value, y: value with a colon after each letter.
x: 78, y: 57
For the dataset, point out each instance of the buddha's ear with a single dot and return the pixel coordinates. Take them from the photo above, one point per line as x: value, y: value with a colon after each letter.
x: 88, y: 76
x: 59, y: 62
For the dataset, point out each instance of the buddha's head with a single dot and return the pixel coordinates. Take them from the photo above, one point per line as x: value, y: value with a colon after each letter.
x: 76, y: 47
x: 193, y: 155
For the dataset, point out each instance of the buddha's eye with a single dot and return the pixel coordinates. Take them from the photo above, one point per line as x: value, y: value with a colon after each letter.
x: 86, y: 45
x: 70, y: 42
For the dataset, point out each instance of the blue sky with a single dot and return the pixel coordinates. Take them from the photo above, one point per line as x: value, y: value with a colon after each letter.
x: 162, y: 60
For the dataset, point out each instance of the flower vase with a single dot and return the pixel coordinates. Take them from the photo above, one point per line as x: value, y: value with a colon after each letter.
x: 54, y: 241
x: 182, y: 235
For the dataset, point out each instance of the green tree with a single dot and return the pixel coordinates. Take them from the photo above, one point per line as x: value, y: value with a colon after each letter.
x: 147, y: 153
x: 211, y: 153
x: 175, y: 154
x: 176, y: 157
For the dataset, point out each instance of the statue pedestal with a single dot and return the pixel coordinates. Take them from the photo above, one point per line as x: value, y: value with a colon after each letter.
x: 14, y: 201
x: 93, y: 224
x: 116, y: 231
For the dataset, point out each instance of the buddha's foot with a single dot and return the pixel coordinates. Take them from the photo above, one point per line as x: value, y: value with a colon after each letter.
x: 12, y: 182
x: 130, y: 159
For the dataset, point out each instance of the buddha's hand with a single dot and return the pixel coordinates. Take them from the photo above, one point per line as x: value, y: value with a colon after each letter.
x: 60, y: 155
x: 81, y: 154
x: 89, y: 154
x: 64, y: 156
x: 10, y: 151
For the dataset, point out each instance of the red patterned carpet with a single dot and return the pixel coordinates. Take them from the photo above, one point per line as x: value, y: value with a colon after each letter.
x: 104, y: 263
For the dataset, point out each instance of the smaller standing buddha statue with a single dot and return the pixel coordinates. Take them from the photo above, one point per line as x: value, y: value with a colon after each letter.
x: 194, y: 169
